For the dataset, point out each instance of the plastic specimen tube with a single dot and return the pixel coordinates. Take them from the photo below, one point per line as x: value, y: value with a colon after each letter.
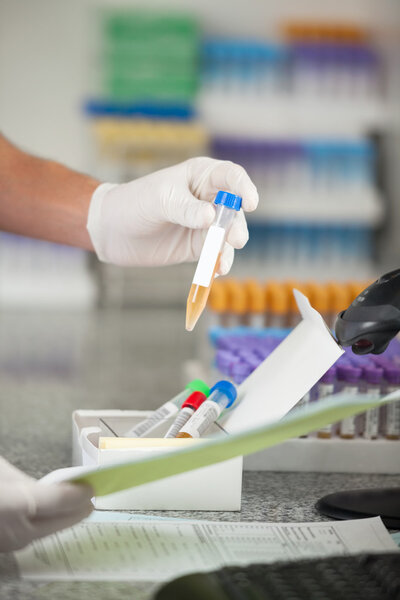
x: 226, y: 205
x: 168, y: 409
x: 189, y: 407
x: 392, y: 421
x: 348, y: 378
x: 237, y: 301
x: 326, y: 387
x: 277, y: 302
x: 218, y: 303
x: 256, y: 303
x: 222, y: 395
x: 373, y: 377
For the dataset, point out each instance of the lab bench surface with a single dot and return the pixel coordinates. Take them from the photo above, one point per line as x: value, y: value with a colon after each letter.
x: 52, y: 363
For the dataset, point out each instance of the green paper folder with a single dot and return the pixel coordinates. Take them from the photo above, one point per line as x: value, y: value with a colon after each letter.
x: 118, y: 477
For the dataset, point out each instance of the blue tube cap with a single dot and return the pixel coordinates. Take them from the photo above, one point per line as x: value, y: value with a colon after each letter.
x: 228, y: 200
x: 227, y: 388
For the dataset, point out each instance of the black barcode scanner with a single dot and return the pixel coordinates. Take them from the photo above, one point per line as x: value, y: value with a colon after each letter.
x: 373, y: 318
x: 368, y: 325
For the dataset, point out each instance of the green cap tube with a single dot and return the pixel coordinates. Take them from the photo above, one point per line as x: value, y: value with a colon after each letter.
x: 197, y: 385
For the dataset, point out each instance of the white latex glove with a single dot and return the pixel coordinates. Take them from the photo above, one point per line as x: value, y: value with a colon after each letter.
x: 162, y: 218
x: 30, y: 510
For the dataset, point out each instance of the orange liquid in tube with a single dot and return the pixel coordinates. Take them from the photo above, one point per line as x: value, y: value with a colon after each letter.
x: 226, y: 206
x: 197, y: 300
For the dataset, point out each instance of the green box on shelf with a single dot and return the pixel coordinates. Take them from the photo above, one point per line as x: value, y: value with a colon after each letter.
x: 149, y: 55
x: 124, y: 23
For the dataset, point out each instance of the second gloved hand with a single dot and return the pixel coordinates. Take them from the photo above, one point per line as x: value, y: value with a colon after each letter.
x: 163, y: 218
x: 30, y: 509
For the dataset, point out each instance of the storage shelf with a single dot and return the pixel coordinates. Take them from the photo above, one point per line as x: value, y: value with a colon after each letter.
x: 283, y: 115
x: 47, y: 292
x: 365, y: 209
x: 328, y: 455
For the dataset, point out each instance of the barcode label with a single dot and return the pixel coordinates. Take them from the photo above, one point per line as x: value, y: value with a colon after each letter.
x: 371, y: 423
x: 202, y: 419
x: 348, y: 425
x: 179, y: 422
x: 393, y: 419
x: 325, y: 389
x: 164, y: 412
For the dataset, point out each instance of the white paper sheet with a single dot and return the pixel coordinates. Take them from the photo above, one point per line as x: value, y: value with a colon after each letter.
x: 158, y: 551
x: 287, y: 374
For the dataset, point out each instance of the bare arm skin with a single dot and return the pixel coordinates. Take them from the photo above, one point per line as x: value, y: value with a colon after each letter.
x: 43, y: 199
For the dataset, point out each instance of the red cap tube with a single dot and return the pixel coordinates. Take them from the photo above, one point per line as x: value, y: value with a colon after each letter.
x: 194, y: 400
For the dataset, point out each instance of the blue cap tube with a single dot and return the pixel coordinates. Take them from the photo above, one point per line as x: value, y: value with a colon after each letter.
x: 226, y: 207
x: 222, y: 395
x: 223, y: 392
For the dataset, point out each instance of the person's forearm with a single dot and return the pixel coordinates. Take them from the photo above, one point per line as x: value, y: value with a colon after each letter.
x: 43, y: 199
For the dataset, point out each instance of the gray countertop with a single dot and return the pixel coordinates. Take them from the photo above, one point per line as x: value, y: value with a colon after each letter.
x: 52, y: 363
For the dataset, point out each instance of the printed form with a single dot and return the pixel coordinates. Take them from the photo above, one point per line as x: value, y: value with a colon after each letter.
x: 161, y: 550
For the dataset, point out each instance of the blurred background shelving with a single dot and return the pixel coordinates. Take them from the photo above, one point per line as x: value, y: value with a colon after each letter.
x: 304, y: 95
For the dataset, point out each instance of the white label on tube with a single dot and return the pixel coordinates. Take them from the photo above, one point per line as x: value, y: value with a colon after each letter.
x: 348, y: 425
x: 324, y: 390
x: 164, y: 412
x: 204, y: 416
x: 209, y: 256
x: 371, y: 423
x: 182, y: 418
x: 393, y: 419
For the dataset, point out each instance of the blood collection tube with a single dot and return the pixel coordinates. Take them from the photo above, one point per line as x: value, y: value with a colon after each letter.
x: 226, y: 205
x: 392, y: 419
x: 190, y: 405
x: 237, y: 302
x: 218, y: 304
x: 348, y: 380
x: 256, y: 304
x: 222, y: 395
x: 168, y: 409
x: 326, y: 387
x: 277, y: 301
x: 319, y: 298
x: 372, y: 376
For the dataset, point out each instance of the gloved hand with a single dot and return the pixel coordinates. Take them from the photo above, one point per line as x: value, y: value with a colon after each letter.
x: 30, y: 510
x: 163, y: 218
